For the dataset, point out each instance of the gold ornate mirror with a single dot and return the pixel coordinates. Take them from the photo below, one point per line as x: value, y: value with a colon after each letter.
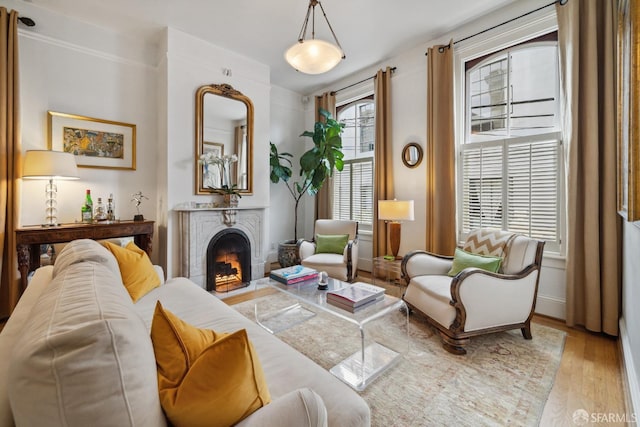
x: 412, y: 155
x: 224, y: 140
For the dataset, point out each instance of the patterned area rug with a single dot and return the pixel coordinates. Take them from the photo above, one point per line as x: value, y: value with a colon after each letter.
x: 503, y: 380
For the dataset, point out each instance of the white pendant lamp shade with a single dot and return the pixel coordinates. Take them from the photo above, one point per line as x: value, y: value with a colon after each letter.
x: 313, y: 56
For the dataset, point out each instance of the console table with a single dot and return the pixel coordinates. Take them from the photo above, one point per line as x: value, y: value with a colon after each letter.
x: 29, y: 239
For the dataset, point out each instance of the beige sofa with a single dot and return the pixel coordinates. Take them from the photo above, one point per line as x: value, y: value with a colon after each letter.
x: 77, y: 352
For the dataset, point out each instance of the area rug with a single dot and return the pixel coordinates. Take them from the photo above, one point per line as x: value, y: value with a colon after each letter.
x: 503, y: 380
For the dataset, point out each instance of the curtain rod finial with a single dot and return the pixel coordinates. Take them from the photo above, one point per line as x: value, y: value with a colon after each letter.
x: 27, y: 21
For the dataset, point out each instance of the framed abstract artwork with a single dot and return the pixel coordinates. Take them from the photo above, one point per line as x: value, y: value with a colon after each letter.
x: 95, y: 143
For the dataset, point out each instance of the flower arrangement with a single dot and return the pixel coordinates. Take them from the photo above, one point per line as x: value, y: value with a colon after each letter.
x: 223, y: 164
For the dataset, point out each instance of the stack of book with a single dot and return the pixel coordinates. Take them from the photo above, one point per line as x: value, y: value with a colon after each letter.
x: 355, y: 296
x: 294, y: 274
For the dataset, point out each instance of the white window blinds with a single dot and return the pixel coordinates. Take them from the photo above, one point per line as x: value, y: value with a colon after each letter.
x: 513, y: 184
x: 353, y: 192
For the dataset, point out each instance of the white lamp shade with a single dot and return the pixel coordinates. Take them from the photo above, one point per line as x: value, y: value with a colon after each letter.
x: 395, y: 210
x: 48, y: 164
x: 313, y: 56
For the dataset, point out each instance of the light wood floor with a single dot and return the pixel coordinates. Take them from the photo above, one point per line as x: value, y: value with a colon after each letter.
x: 590, y: 376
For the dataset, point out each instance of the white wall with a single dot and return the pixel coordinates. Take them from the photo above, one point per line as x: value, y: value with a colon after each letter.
x: 287, y: 123
x: 191, y: 63
x: 98, y: 74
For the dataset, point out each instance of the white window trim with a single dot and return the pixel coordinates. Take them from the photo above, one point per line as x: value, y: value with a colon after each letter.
x: 518, y: 31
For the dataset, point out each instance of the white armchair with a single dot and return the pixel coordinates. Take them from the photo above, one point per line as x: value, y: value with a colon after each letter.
x: 475, y: 301
x: 343, y: 265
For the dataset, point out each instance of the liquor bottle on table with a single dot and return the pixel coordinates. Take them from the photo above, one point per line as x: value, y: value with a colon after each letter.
x: 111, y: 215
x: 87, y: 208
x: 100, y: 213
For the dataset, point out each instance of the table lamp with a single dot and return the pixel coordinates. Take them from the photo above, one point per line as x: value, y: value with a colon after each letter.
x: 392, y: 212
x: 50, y: 165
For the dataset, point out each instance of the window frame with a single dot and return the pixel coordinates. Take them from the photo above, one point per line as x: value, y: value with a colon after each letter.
x: 344, y: 99
x: 508, y: 35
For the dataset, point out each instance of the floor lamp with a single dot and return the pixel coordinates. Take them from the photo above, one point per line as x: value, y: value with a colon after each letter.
x: 392, y: 212
x: 49, y: 165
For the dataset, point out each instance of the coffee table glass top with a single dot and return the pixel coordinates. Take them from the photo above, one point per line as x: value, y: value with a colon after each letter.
x: 309, y: 293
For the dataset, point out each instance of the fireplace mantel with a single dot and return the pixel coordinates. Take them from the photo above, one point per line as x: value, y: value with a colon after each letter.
x: 198, y: 225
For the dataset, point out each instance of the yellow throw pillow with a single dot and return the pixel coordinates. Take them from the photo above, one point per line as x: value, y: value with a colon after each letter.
x: 136, y: 269
x: 205, y: 378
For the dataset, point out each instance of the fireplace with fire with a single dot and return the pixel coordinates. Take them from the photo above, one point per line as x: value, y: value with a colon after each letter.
x: 228, y: 261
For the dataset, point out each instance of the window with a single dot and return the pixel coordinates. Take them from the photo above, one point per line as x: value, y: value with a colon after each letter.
x: 353, y: 187
x: 510, y: 161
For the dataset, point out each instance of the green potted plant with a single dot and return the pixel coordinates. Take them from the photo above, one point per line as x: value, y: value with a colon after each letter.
x: 316, y: 165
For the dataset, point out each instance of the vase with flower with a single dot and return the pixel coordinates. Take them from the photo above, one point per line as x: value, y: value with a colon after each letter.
x: 217, y: 172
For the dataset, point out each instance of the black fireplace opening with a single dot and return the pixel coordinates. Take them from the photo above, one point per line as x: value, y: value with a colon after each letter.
x: 228, y: 261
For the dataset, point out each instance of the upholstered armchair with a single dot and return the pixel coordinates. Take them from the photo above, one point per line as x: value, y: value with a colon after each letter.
x: 323, y: 254
x: 474, y: 301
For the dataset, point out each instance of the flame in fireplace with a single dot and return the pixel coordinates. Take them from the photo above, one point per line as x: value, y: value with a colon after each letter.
x: 228, y: 272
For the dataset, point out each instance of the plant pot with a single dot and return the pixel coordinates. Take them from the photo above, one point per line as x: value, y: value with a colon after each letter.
x: 288, y: 253
x: 230, y: 200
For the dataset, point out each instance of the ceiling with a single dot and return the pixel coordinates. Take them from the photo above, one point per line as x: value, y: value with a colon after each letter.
x: 369, y: 31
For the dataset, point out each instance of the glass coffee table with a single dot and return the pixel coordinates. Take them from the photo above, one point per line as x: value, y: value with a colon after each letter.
x: 362, y: 367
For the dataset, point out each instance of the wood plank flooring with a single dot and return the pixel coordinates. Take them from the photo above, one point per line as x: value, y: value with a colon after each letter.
x: 590, y: 376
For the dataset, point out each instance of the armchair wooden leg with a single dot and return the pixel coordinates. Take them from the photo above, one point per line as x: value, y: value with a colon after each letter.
x: 526, y: 331
x: 454, y: 345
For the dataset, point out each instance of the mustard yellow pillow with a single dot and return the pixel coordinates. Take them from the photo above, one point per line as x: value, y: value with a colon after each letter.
x: 136, y: 269
x: 205, y: 378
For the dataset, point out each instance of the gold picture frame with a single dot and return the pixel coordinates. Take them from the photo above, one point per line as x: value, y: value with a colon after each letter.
x: 629, y: 109
x: 95, y: 143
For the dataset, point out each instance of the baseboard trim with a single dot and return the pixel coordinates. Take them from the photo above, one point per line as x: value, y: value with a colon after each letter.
x: 630, y: 375
x: 551, y: 307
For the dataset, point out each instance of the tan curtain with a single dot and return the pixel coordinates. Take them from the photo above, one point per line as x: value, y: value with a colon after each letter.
x: 383, y: 180
x: 324, y: 197
x: 587, y: 42
x: 441, y: 194
x: 9, y: 158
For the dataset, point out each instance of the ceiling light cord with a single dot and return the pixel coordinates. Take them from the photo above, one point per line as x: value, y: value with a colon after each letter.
x: 331, y: 29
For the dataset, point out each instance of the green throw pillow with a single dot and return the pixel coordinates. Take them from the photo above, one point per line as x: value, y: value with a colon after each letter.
x: 331, y: 243
x: 462, y: 260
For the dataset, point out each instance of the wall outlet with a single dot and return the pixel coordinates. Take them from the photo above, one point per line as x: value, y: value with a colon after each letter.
x: 273, y: 245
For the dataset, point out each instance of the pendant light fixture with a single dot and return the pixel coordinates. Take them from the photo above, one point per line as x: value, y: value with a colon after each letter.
x: 314, y: 56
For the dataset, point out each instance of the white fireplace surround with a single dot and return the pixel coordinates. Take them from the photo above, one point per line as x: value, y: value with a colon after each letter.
x: 199, y: 225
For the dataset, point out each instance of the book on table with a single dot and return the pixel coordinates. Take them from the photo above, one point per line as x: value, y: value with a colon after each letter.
x: 293, y: 274
x: 355, y: 294
x: 350, y: 308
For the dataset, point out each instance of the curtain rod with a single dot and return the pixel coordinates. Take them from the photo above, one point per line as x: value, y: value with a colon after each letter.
x: 333, y: 92
x: 442, y: 48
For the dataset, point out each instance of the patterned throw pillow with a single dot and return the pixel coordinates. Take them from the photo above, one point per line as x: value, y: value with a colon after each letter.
x: 489, y: 242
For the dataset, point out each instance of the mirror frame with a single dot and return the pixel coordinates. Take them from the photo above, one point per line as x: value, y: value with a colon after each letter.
x: 227, y: 91
x: 406, y: 149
